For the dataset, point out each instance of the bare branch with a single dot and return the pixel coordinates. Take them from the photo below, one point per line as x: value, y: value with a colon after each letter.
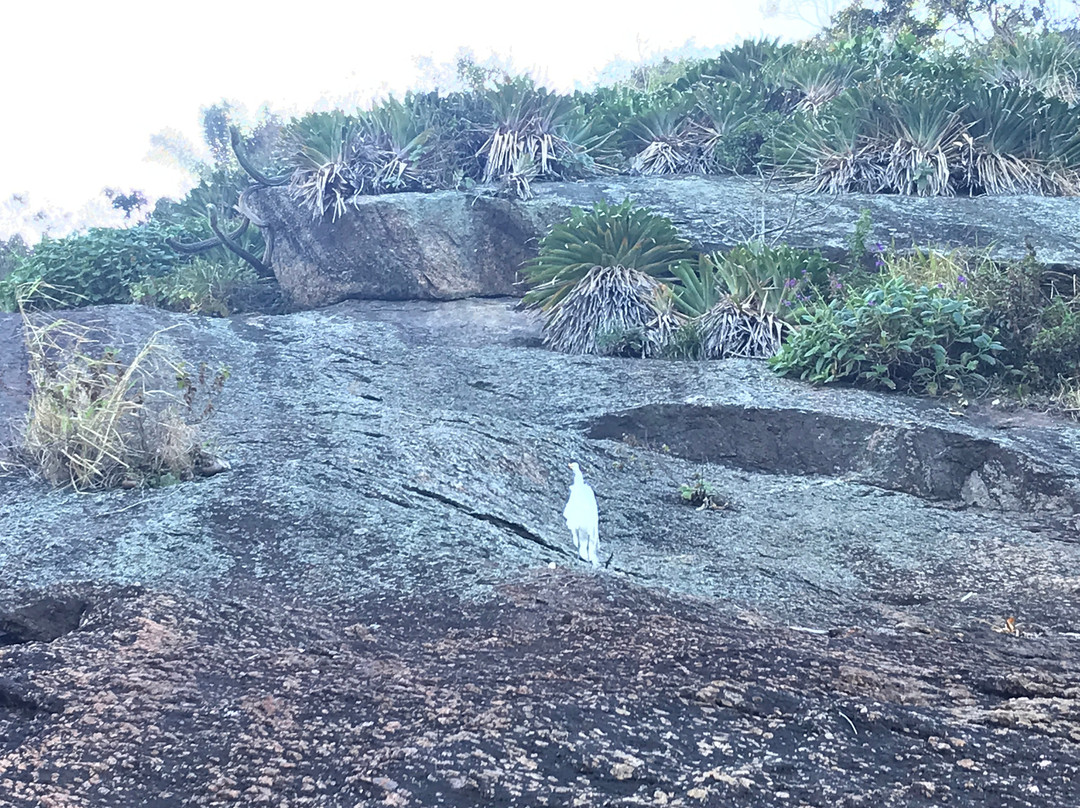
x: 206, y: 244
x: 262, y: 269
x: 248, y: 166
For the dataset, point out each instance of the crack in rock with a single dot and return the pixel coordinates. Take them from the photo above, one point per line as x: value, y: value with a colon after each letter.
x: 498, y: 521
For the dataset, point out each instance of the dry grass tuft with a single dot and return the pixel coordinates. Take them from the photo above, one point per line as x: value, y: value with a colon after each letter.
x: 96, y: 421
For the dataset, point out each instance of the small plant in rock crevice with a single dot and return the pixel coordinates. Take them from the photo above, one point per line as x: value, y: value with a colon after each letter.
x: 703, y: 495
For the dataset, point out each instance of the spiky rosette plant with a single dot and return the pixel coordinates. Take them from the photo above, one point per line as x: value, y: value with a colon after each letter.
x: 606, y: 235
x: 614, y: 311
x: 738, y: 330
x: 1003, y: 128
x: 829, y: 153
x: 724, y: 112
x: 664, y: 140
x: 395, y: 149
x: 323, y: 176
x: 813, y: 78
x: 536, y: 127
x: 920, y: 142
x: 1048, y: 64
x: 760, y: 285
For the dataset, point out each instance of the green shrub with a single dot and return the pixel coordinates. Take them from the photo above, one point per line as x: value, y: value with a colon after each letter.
x: 202, y: 287
x: 895, y: 336
x: 1055, y: 350
x: 605, y: 236
x: 92, y: 268
x: 1010, y: 294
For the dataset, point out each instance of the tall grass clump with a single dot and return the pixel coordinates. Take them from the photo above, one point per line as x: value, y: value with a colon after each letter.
x: 97, y: 420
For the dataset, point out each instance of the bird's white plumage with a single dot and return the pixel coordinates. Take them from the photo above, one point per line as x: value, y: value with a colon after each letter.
x: 583, y: 518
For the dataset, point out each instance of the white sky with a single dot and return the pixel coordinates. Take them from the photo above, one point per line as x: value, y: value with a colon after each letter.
x: 84, y: 84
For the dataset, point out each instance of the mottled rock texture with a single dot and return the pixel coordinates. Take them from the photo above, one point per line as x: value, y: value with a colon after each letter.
x: 450, y: 244
x: 380, y: 604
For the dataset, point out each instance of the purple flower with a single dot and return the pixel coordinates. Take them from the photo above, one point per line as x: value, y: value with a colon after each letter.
x: 941, y: 286
x: 835, y: 284
x: 871, y: 302
x: 879, y: 247
x: 791, y: 283
x: 960, y: 279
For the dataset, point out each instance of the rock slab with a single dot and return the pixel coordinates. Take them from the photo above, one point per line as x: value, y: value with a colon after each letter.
x: 449, y: 244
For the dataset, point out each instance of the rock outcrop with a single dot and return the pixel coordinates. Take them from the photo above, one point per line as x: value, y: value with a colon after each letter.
x: 381, y: 605
x: 450, y: 244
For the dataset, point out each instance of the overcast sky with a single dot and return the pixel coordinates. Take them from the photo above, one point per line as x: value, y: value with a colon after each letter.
x: 85, y: 84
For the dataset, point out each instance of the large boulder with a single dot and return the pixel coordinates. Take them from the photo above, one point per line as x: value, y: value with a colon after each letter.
x: 450, y: 244
x: 438, y: 246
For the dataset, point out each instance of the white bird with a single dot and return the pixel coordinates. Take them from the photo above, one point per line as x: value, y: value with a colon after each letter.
x: 583, y: 518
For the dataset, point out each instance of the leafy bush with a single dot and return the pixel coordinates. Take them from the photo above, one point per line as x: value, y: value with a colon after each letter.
x: 895, y: 336
x: 1010, y: 294
x: 91, y: 268
x: 202, y: 287
x: 614, y: 311
x: 605, y: 236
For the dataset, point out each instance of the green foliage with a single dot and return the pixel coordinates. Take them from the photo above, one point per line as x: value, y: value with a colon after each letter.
x: 685, y: 342
x: 12, y: 253
x: 895, y: 336
x: 698, y: 289
x: 857, y: 241
x: 702, y: 494
x: 743, y: 299
x: 202, y: 287
x: 94, y: 267
x: 1009, y: 294
x: 768, y: 278
x: 1055, y: 350
x: 604, y: 236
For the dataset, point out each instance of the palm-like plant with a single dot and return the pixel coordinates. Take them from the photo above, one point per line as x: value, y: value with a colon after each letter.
x: 924, y: 128
x: 697, y: 289
x: 816, y: 77
x: 323, y: 178
x: 830, y: 153
x: 616, y: 311
x: 397, y: 149
x: 724, y: 111
x: 759, y: 286
x: 1004, y: 126
x: 1048, y: 64
x: 745, y: 64
x: 606, y: 236
x: 662, y: 139
x: 529, y: 123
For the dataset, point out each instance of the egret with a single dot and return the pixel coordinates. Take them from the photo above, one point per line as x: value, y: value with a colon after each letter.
x: 583, y: 518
